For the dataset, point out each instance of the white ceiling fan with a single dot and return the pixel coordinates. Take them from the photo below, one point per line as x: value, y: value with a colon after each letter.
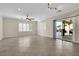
x: 29, y: 18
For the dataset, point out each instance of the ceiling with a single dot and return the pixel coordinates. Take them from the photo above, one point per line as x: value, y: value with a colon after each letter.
x: 39, y: 11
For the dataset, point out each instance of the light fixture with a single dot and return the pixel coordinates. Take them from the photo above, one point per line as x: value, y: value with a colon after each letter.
x: 52, y: 7
x: 19, y: 9
x: 29, y: 18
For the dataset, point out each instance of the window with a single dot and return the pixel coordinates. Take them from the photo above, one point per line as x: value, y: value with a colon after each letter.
x: 27, y: 25
x: 30, y: 27
x: 20, y: 27
x: 23, y: 27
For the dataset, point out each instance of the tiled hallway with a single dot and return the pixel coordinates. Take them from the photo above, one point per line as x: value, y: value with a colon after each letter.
x: 37, y: 46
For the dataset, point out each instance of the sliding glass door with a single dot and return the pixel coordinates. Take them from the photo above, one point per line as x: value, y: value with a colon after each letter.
x: 68, y: 29
x: 64, y: 29
x: 58, y: 29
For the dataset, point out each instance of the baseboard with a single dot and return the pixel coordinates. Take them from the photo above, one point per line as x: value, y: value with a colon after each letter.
x: 45, y: 35
x: 75, y: 42
x: 8, y: 37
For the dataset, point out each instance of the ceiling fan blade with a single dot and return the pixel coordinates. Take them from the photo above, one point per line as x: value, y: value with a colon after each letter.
x: 32, y: 18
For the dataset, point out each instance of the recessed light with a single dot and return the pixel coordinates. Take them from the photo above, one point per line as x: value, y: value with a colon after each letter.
x: 19, y: 9
x: 59, y: 10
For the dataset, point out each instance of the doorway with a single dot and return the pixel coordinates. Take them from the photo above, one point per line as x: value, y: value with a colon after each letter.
x: 63, y: 29
x: 58, y: 29
x: 67, y: 29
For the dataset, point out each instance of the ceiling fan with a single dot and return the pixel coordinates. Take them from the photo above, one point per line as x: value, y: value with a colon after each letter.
x: 29, y: 18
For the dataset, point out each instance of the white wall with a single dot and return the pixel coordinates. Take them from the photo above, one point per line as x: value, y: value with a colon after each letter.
x: 49, y: 25
x: 45, y: 28
x: 1, y: 28
x: 77, y: 29
x: 34, y: 28
x: 11, y: 27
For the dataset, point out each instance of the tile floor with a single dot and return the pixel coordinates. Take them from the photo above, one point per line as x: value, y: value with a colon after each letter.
x: 37, y: 46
